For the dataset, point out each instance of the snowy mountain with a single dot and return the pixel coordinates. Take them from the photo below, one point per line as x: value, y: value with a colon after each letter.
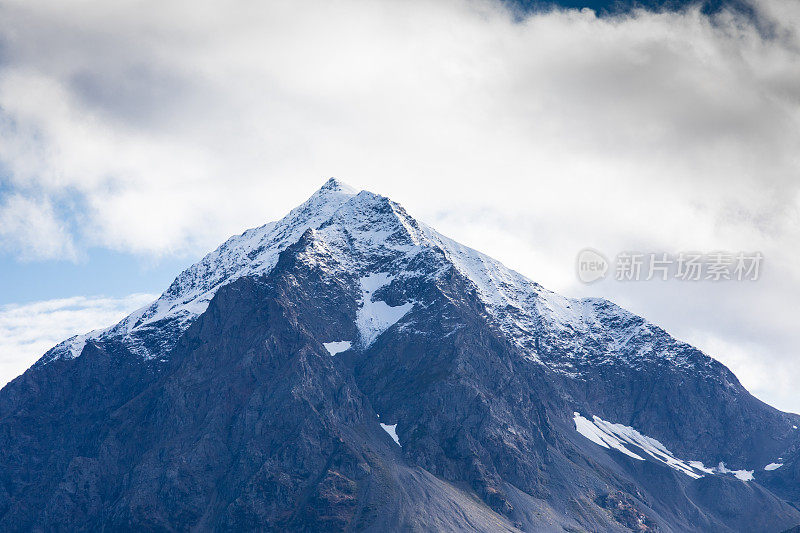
x: 348, y: 367
x: 335, y: 213
x: 252, y: 253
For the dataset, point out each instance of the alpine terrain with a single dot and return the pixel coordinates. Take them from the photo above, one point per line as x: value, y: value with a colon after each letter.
x: 349, y: 368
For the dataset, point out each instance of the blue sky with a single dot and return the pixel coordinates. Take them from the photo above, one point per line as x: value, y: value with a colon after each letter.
x: 136, y: 137
x: 98, y: 272
x: 94, y: 271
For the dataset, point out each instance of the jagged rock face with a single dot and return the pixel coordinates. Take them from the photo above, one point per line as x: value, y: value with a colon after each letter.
x: 349, y: 368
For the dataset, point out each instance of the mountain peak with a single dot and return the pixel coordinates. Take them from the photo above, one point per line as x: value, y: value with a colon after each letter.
x: 367, y: 233
x: 336, y: 185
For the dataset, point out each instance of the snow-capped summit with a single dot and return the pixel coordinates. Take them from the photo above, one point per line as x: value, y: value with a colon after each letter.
x: 253, y: 252
x: 360, y: 228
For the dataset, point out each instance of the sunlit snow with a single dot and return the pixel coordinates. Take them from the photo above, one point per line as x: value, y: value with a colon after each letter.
x: 336, y: 346
x: 392, y: 431
x: 625, y: 439
x: 375, y: 317
x: 254, y: 252
x: 744, y: 475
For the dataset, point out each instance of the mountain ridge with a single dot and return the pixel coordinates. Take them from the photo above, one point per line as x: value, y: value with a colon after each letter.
x: 254, y: 252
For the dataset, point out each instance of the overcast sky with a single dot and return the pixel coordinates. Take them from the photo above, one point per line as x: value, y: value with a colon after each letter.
x: 135, y: 136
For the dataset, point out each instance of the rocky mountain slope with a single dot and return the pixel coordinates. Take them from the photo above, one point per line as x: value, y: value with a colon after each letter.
x: 349, y: 368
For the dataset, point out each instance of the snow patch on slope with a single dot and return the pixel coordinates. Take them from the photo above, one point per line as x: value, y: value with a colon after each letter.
x: 392, y: 431
x: 773, y: 466
x: 625, y: 439
x: 698, y: 465
x: 375, y: 317
x: 601, y: 432
x: 744, y: 475
x: 336, y: 346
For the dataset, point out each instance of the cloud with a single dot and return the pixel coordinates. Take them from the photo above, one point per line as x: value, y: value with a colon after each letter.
x: 772, y: 374
x: 30, y: 229
x: 27, y: 331
x: 167, y: 127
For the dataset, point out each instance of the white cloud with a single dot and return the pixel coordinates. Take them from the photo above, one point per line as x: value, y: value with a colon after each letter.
x: 27, y: 331
x: 172, y: 125
x: 30, y: 229
x: 774, y: 377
